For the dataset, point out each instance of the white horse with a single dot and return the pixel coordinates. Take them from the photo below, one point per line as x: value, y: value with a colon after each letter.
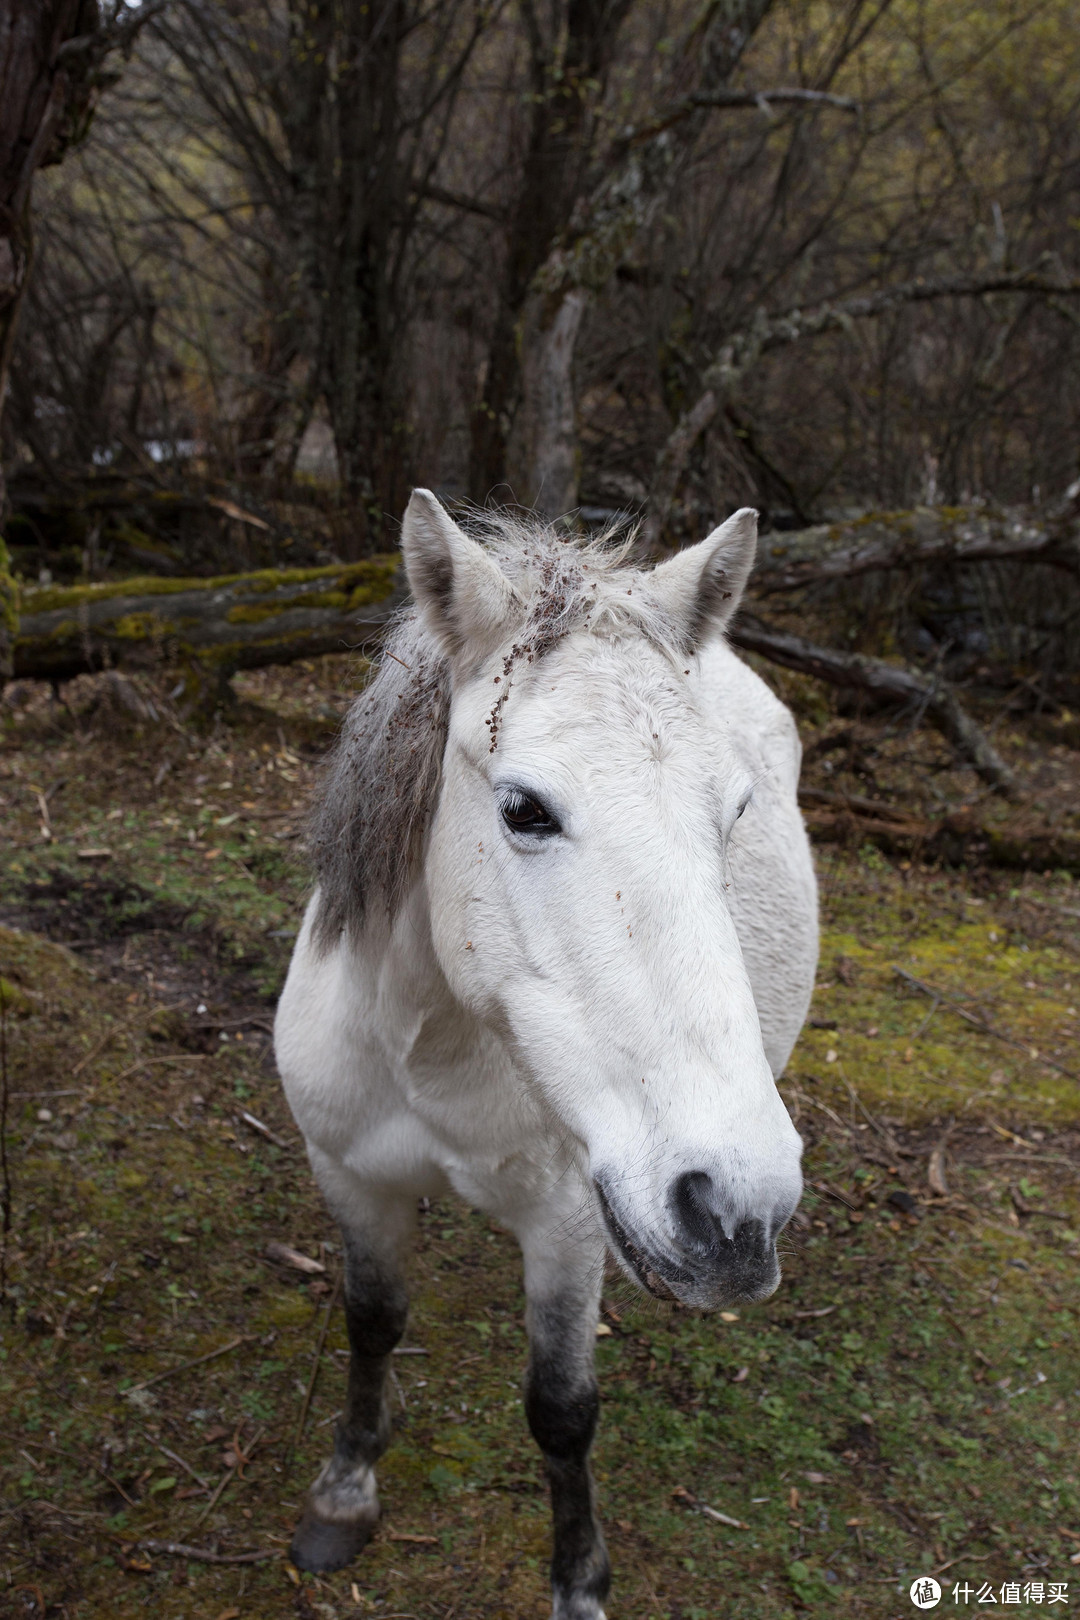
x: 549, y: 967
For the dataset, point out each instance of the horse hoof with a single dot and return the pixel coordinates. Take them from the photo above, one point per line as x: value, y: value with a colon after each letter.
x: 321, y: 1545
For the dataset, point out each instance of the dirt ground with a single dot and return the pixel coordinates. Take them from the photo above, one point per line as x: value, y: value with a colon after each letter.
x: 905, y: 1405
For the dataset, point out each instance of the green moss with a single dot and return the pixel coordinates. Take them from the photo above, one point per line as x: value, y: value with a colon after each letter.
x: 359, y: 583
x: 15, y: 1002
x: 138, y: 626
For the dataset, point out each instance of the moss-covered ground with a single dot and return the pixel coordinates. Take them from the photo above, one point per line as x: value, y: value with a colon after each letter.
x: 905, y: 1404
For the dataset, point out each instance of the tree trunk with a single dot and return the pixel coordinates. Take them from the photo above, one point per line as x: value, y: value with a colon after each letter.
x: 210, y: 627
x: 44, y: 101
x: 545, y: 476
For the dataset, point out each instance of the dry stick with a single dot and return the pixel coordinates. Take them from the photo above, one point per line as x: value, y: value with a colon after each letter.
x: 76, y: 1093
x: 184, y: 1365
x: 886, y: 1135
x: 188, y: 1057
x: 175, y: 1457
x: 229, y: 1475
x: 315, y: 1369
x: 87, y: 1462
x: 95, y: 1051
x: 981, y: 1023
x: 264, y: 1130
x: 202, y: 1555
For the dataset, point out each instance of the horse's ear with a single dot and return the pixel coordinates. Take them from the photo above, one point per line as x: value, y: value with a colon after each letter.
x: 702, y: 586
x: 463, y: 596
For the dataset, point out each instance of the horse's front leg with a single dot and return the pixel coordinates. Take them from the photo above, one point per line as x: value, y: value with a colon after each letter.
x: 342, y: 1508
x: 562, y: 1403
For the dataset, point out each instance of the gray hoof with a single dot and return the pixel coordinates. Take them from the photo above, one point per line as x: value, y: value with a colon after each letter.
x: 321, y: 1545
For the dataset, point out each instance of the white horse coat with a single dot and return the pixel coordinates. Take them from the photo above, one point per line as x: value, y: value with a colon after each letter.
x: 564, y: 941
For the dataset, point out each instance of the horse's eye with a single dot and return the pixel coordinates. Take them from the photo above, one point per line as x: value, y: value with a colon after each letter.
x: 523, y: 814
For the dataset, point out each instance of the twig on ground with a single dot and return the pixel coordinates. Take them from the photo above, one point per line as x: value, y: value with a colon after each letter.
x: 145, y: 1062
x: 982, y: 1023
x: 882, y: 1130
x: 175, y: 1457
x: 94, y: 1052
x: 61, y: 1451
x: 302, y: 1419
x: 264, y: 1130
x: 170, y: 1372
x: 688, y: 1499
x: 231, y: 1473
x: 201, y: 1555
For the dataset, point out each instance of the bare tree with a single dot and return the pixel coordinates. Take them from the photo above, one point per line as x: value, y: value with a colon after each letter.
x: 334, y: 116
x: 51, y: 70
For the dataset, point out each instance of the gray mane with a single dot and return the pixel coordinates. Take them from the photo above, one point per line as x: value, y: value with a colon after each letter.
x: 381, y: 784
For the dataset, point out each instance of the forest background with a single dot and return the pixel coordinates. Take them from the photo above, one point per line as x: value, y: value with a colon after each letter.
x: 545, y: 253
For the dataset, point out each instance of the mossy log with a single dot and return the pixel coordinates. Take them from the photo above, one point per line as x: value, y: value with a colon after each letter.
x: 210, y: 627
x: 1019, y: 840
x: 888, y: 541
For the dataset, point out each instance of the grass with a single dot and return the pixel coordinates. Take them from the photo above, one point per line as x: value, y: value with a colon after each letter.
x: 905, y: 1404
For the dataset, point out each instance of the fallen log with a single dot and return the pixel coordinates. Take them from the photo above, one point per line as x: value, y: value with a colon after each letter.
x: 209, y: 627
x: 1023, y: 842
x: 889, y: 682
x: 883, y: 541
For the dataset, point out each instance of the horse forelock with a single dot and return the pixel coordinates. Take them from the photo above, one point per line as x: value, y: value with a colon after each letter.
x: 381, y: 783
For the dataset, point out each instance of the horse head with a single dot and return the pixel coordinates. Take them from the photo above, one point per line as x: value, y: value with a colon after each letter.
x: 577, y: 873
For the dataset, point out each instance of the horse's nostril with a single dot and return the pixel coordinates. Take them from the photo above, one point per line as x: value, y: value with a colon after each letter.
x: 694, y: 1204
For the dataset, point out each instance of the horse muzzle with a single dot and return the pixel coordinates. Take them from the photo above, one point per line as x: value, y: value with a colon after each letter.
x: 696, y: 1262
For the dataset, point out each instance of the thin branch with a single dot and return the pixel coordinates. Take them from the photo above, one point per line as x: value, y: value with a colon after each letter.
x: 466, y: 205
x: 981, y: 1023
x: 201, y: 1555
x: 767, y: 332
x: 762, y: 100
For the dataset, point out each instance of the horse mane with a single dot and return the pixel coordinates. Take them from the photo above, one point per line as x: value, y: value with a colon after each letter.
x: 381, y: 783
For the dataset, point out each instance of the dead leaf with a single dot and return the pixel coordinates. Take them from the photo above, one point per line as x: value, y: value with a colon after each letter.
x: 292, y: 1257
x: 935, y: 1173
x: 231, y: 509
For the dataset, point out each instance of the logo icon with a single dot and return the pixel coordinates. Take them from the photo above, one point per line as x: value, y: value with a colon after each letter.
x: 925, y: 1592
